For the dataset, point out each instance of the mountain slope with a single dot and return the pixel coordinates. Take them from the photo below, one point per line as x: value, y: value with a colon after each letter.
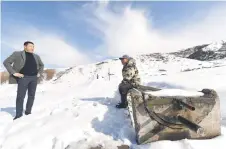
x: 206, y: 52
x: 77, y: 109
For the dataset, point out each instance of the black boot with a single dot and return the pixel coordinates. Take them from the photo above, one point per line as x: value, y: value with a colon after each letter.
x: 119, y: 104
x: 27, y: 113
x: 16, y: 117
x: 122, y: 105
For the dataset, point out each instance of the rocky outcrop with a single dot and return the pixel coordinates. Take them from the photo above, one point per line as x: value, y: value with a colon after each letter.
x: 206, y: 52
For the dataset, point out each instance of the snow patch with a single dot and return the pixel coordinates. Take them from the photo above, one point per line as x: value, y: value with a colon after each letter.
x: 175, y: 92
x: 215, y: 46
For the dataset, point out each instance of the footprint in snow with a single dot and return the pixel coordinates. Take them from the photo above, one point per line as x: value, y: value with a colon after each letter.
x: 74, y: 103
x: 94, y: 104
x: 75, y: 114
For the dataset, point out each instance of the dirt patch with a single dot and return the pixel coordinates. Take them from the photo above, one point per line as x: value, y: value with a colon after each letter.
x: 123, y: 147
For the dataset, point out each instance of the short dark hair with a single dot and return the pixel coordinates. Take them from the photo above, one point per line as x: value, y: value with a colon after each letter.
x: 28, y: 42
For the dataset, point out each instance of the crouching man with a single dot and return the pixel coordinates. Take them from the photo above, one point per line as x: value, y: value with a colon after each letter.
x: 130, y: 80
x: 23, y: 67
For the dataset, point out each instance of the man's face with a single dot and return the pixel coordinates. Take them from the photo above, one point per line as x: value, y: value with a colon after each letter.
x: 29, y: 48
x: 124, y: 61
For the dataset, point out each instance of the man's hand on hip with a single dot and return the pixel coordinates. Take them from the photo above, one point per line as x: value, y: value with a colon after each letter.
x: 19, y: 75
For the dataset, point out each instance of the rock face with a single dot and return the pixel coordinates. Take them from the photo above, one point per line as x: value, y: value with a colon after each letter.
x: 206, y: 52
x: 223, y: 48
x: 205, y: 55
x: 187, y: 52
x: 159, y: 117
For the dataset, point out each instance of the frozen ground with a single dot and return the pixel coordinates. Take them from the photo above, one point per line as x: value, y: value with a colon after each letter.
x: 78, y: 110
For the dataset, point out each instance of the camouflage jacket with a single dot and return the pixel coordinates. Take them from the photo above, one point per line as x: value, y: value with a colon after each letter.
x: 130, y: 73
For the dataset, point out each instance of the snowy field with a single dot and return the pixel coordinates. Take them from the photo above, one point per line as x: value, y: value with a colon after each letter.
x: 78, y: 110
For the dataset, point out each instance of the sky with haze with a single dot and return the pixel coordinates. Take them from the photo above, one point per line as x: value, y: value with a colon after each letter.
x: 73, y: 33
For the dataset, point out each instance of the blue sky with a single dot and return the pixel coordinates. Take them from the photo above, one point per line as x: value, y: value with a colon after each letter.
x: 92, y: 31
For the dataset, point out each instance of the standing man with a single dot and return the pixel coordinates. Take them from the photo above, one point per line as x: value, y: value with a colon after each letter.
x: 130, y: 80
x: 23, y: 67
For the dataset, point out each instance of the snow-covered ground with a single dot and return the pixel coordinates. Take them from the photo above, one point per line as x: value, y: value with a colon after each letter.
x: 77, y: 111
x: 213, y: 46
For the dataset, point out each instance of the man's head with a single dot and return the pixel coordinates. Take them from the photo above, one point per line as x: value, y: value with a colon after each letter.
x: 124, y: 59
x: 29, y: 46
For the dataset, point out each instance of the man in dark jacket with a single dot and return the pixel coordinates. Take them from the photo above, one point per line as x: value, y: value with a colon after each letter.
x: 24, y: 68
x: 130, y: 80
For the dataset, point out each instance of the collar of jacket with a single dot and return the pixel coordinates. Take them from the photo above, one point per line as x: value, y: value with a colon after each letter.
x: 24, y: 55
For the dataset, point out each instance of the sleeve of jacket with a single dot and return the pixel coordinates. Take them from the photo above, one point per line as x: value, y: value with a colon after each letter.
x: 129, y: 74
x: 8, y: 63
x: 41, y: 66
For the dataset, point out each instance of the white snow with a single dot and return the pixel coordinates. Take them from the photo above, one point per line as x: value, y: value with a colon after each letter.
x: 175, y: 92
x: 78, y: 110
x: 213, y: 46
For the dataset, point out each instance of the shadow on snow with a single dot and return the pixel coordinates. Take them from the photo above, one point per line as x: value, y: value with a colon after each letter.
x: 116, y: 122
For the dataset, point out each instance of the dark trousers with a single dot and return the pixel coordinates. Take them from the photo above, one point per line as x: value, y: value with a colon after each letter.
x: 27, y: 83
x: 123, y: 90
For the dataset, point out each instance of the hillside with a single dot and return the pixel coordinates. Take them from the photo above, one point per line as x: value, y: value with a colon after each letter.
x: 76, y: 110
x: 206, y: 52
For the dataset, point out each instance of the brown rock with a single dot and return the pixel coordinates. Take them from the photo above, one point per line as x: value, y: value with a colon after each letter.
x: 123, y: 147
